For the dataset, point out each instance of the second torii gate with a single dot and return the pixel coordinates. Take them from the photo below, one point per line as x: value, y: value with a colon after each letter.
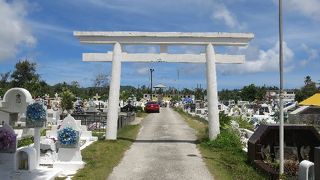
x: 163, y: 39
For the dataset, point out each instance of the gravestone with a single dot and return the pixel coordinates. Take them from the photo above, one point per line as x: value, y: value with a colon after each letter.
x: 26, y: 159
x: 69, y: 154
x: 8, y: 146
x: 53, y: 116
x: 15, y: 101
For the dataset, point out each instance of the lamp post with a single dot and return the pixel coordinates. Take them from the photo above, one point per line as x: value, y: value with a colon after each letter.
x: 151, y: 71
x: 281, y: 129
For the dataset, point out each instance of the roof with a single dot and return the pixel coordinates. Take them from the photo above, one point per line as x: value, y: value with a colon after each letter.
x: 311, y: 101
x: 299, y: 110
x: 159, y: 86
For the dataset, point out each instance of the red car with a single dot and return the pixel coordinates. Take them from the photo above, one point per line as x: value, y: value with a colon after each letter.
x: 152, y: 107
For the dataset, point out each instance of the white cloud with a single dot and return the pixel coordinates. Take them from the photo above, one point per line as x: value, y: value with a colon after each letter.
x: 142, y: 70
x: 309, y: 8
x: 216, y: 8
x: 267, y: 61
x: 14, y: 32
x: 222, y: 13
x: 311, y: 53
x: 140, y: 49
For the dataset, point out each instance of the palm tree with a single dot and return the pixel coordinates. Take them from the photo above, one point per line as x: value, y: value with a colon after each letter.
x: 307, y: 80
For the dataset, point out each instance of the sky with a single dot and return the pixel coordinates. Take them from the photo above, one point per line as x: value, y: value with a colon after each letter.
x: 42, y: 32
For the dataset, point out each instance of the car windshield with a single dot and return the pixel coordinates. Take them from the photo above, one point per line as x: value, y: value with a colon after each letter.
x: 151, y: 103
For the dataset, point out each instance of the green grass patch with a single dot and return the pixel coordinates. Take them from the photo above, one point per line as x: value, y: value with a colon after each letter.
x: 102, y: 156
x: 141, y: 114
x: 223, y: 156
x: 25, y: 141
x: 243, y: 123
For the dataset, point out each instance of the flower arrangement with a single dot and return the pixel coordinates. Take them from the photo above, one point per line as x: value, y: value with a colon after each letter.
x: 68, y: 137
x: 36, y: 114
x: 7, y: 140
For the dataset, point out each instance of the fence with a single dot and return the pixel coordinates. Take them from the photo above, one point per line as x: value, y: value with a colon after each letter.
x: 98, y: 121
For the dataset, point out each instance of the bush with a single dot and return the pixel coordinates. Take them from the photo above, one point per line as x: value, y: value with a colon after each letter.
x: 243, y: 123
x: 227, y: 140
x: 67, y: 99
x: 26, y: 141
x: 139, y: 109
x: 224, y: 121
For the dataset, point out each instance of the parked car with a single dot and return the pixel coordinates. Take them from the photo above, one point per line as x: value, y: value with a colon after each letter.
x: 152, y: 107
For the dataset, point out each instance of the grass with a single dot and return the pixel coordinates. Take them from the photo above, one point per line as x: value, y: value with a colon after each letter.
x: 141, y: 114
x: 102, y: 156
x: 223, y: 156
x: 243, y: 123
x: 25, y: 141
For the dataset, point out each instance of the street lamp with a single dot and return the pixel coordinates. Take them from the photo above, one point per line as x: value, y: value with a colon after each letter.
x: 151, y: 70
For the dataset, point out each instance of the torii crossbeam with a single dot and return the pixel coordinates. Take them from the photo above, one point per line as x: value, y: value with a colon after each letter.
x: 163, y: 39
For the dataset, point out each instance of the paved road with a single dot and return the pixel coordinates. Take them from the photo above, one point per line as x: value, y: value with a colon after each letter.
x: 164, y: 149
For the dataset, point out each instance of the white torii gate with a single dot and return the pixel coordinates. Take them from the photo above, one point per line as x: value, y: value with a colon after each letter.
x: 163, y: 39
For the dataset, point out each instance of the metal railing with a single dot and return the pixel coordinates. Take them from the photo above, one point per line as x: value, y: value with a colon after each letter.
x: 98, y: 121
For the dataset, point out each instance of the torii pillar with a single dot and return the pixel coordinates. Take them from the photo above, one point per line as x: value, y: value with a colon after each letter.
x: 163, y: 39
x: 114, y: 94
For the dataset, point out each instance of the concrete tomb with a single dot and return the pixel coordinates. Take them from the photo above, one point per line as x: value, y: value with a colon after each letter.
x: 13, y: 106
x: 69, y: 154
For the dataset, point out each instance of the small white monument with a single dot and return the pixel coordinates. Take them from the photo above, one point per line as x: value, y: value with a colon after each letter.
x: 69, y: 154
x: 26, y: 159
x: 15, y: 100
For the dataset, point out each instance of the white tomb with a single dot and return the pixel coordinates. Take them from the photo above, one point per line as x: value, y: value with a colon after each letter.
x: 69, y: 158
x: 7, y: 148
x: 85, y: 134
x: 53, y: 116
x: 26, y: 159
x: 15, y: 100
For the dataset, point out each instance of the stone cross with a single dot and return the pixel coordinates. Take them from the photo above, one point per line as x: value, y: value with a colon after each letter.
x: 56, y: 96
x: 96, y: 97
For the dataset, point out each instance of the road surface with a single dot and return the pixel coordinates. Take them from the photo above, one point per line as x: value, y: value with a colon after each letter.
x: 164, y: 149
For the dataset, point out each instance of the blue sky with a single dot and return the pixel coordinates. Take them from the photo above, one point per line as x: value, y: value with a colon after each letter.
x: 41, y: 31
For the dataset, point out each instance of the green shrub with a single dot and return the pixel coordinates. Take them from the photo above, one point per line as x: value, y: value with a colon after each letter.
x: 224, y: 121
x: 227, y: 140
x: 139, y: 109
x: 243, y: 123
x: 67, y: 99
x: 26, y: 141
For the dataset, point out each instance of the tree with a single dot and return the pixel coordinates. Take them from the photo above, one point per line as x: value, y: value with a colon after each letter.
x: 249, y: 93
x: 4, y: 77
x: 37, y: 87
x: 226, y: 94
x: 307, y: 80
x: 101, y: 84
x: 67, y: 99
x: 307, y: 90
x: 186, y: 91
x: 101, y: 80
x: 199, y: 94
x: 4, y: 83
x: 24, y: 72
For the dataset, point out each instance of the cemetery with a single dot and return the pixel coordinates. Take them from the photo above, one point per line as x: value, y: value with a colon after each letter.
x: 57, y: 132
x: 56, y: 151
x: 106, y: 90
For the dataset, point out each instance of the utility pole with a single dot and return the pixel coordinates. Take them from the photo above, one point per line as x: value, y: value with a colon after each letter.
x: 281, y: 128
x: 151, y: 71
